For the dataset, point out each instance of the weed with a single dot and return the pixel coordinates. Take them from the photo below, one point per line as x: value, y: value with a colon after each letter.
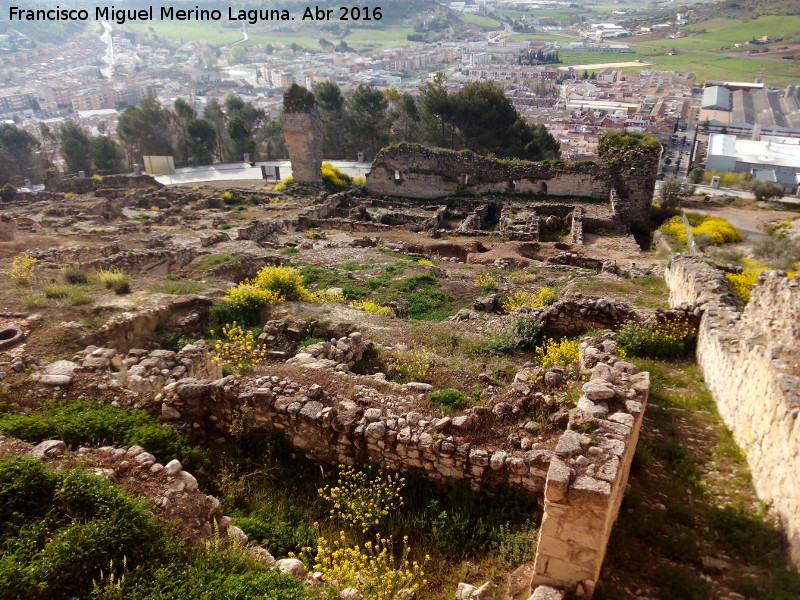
x: 22, y: 268
x: 75, y: 275
x: 449, y: 398
x: 57, y: 290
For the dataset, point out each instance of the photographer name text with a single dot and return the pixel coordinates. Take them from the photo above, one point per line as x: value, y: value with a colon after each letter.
x: 120, y: 16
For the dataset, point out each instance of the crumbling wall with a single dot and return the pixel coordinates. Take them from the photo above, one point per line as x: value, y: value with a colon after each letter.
x: 751, y: 361
x: 415, y: 171
x: 89, y: 184
x: 588, y: 474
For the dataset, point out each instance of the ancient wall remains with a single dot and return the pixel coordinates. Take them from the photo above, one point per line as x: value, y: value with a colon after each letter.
x: 751, y: 361
x: 302, y: 132
x: 415, y: 171
x: 588, y: 474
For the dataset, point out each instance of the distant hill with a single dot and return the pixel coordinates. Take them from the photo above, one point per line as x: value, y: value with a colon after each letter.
x: 755, y: 8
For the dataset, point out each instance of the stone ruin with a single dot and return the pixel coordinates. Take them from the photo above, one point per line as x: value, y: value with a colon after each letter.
x: 302, y: 131
x: 623, y: 178
x: 750, y: 359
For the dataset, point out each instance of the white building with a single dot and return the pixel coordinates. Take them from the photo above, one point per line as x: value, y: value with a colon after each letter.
x: 768, y: 159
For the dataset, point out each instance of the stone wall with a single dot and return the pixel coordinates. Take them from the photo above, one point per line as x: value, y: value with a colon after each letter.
x: 751, y: 361
x: 415, y: 171
x: 84, y: 186
x: 588, y: 474
x: 302, y: 132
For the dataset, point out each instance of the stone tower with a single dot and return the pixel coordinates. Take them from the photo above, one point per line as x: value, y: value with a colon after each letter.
x: 302, y: 131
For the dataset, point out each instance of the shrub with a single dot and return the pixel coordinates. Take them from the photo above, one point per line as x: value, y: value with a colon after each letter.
x: 75, y: 275
x: 56, y: 290
x: 362, y: 498
x: 22, y: 268
x: 565, y: 352
x: 743, y: 282
x: 373, y: 307
x: 370, y: 568
x: 448, y: 398
x: 519, y: 298
x: 486, y: 282
x: 238, y: 348
x: 7, y: 192
x: 717, y: 229
x: 311, y: 341
x: 121, y: 286
x: 410, y: 365
x: 425, y: 262
x: 76, y: 299
x: 284, y: 529
x: 334, y: 179
x: 284, y: 184
x: 522, y: 332
x: 359, y: 181
x: 766, y: 190
x: 513, y: 548
x: 88, y: 422
x: 287, y: 282
x: 107, y: 278
x: 696, y: 175
x: 652, y: 341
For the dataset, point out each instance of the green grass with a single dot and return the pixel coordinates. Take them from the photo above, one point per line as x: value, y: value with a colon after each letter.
x: 686, y: 461
x: 724, y: 33
x: 480, y: 21
x: 178, y: 288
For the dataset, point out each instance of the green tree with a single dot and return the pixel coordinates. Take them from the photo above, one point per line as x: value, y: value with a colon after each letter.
x: 367, y: 118
x: 183, y: 114
x: 331, y: 110
x: 765, y: 190
x: 17, y: 154
x: 673, y: 189
x: 436, y: 111
x: 107, y: 155
x: 241, y: 139
x: 214, y: 114
x: 696, y: 175
x: 146, y: 130
x: 202, y: 141
x: 270, y: 140
x: 75, y: 146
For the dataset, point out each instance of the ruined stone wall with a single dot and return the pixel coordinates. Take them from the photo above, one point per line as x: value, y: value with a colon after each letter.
x: 60, y: 256
x: 84, y: 186
x: 751, y: 361
x: 302, y: 132
x: 587, y: 477
x: 417, y: 172
x: 157, y: 262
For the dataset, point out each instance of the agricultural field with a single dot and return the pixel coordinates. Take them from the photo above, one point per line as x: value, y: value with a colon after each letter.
x: 722, y: 34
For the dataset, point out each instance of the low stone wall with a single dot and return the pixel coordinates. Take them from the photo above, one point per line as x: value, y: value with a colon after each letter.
x: 576, y: 233
x: 129, y: 330
x: 587, y: 476
x: 60, y: 256
x: 751, y: 361
x: 84, y: 186
x: 156, y: 262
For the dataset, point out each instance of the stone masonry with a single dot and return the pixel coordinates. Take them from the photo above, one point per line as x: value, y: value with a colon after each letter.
x: 751, y: 361
x: 302, y: 132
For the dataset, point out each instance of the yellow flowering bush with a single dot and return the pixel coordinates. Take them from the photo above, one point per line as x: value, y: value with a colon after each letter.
x: 410, y: 365
x: 425, y: 261
x: 284, y: 183
x: 521, y: 277
x: 373, y: 307
x: 743, y: 282
x: 486, y: 282
x: 717, y: 229
x: 313, y: 234
x: 565, y: 352
x: 97, y: 177
x: 238, y: 348
x: 334, y: 179
x: 370, y: 568
x: 22, y: 269
x: 359, y: 181
x: 519, y: 298
x: 361, y: 498
x: 328, y: 296
x: 286, y: 281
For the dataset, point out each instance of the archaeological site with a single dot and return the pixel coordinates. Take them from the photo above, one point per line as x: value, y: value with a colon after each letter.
x: 457, y: 377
